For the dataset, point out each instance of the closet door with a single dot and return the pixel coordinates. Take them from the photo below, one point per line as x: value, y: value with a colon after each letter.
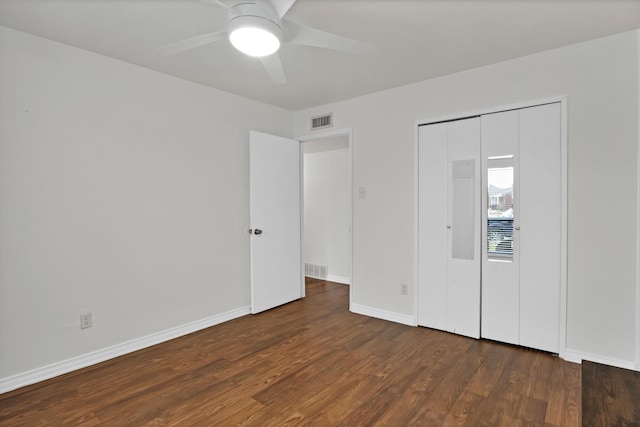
x: 500, y: 221
x: 463, y: 261
x: 521, y: 261
x: 449, y: 224
x: 540, y: 222
x: 433, y: 234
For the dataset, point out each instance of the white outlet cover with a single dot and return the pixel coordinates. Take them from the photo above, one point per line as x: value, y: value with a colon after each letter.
x: 85, y: 321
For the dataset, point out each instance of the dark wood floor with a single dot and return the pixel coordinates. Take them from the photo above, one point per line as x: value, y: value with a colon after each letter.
x: 610, y: 396
x: 311, y: 362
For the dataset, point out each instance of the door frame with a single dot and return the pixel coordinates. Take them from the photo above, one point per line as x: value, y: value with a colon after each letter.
x: 562, y: 99
x: 319, y: 136
x: 638, y: 224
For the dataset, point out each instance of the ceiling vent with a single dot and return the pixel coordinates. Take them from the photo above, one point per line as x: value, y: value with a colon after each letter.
x: 321, y: 122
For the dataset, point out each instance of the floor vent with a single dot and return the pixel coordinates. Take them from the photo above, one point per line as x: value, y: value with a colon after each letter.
x: 321, y: 122
x: 316, y: 271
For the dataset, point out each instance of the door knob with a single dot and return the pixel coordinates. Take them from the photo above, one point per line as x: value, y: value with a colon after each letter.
x: 257, y: 231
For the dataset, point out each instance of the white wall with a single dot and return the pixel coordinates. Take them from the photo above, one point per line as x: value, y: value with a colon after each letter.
x: 600, y: 78
x: 123, y: 192
x: 326, y: 208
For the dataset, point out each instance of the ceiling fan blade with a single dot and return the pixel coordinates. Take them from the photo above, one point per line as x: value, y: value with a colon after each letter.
x: 191, y: 43
x: 273, y: 65
x: 282, y: 6
x: 297, y: 33
x: 219, y: 4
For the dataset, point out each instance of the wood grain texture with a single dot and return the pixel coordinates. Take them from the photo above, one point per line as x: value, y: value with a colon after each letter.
x: 610, y: 396
x: 311, y: 363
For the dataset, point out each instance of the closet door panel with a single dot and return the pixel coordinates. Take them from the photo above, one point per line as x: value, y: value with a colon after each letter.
x: 500, y: 273
x: 432, y: 226
x: 463, y: 268
x: 540, y: 226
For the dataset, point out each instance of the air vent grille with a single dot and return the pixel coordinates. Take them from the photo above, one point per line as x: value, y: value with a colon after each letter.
x: 316, y: 271
x: 321, y: 122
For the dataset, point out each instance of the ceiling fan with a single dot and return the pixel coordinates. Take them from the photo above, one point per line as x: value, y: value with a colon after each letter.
x: 258, y: 28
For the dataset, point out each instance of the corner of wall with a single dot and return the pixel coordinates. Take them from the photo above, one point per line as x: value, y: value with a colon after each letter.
x: 387, y: 315
x: 577, y: 356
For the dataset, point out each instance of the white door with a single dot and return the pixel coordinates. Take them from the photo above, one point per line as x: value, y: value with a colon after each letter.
x: 432, y: 222
x: 500, y: 238
x: 463, y: 263
x: 521, y: 255
x: 274, y: 192
x: 449, y: 224
x: 541, y: 226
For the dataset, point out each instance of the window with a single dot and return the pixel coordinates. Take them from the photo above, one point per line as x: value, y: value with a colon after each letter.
x: 500, y: 208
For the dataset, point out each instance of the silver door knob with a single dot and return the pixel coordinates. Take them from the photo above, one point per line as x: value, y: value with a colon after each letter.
x: 448, y: 227
x: 517, y: 227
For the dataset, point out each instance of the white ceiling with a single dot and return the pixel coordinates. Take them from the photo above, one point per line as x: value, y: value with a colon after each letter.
x: 415, y: 40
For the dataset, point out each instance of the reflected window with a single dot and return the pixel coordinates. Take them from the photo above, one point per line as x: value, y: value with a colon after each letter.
x: 500, y: 208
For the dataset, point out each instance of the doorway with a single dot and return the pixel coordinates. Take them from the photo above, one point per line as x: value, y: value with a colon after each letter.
x: 327, y: 206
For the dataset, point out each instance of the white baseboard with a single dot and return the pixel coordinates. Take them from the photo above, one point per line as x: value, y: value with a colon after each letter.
x: 578, y: 357
x: 338, y: 279
x: 46, y: 372
x: 391, y: 316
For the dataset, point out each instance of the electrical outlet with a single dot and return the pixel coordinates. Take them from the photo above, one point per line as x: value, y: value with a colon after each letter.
x: 404, y: 289
x: 85, y: 321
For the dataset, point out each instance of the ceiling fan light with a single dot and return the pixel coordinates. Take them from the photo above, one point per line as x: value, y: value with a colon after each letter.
x: 254, y: 41
x: 254, y: 36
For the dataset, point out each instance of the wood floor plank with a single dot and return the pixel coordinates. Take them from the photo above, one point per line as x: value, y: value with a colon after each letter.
x: 565, y: 400
x: 611, y: 396
x: 462, y: 409
x: 312, y: 363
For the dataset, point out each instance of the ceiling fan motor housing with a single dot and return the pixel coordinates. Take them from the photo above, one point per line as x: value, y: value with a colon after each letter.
x: 263, y: 23
x: 254, y: 26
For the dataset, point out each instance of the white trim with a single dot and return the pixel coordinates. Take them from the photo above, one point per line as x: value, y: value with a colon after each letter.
x: 578, y: 357
x: 638, y: 211
x: 350, y: 214
x: 490, y: 110
x: 564, y: 226
x: 303, y: 285
x: 392, y: 316
x: 88, y: 359
x: 348, y: 132
x: 326, y: 134
x: 416, y: 212
x: 338, y: 279
x: 562, y: 99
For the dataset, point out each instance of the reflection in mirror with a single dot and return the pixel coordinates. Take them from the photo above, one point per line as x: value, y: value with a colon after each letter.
x: 500, y: 208
x: 462, y: 216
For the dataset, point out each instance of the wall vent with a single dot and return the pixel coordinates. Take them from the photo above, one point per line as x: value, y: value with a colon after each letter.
x: 316, y: 271
x: 321, y: 122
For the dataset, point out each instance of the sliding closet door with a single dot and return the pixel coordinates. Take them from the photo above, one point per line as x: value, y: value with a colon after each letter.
x: 449, y: 224
x: 500, y: 238
x: 540, y: 207
x: 521, y: 155
x: 463, y: 263
x: 433, y: 241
